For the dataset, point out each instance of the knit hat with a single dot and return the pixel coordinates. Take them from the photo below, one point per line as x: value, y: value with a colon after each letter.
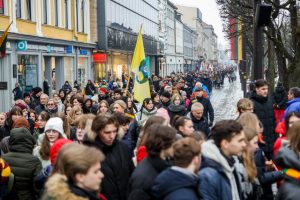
x: 103, y: 90
x: 22, y: 106
x: 56, y: 124
x: 37, y: 90
x: 21, y: 122
x: 166, y: 94
x: 55, y: 148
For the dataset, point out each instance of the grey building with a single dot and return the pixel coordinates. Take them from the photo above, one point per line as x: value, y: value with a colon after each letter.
x: 118, y: 23
x: 189, y: 48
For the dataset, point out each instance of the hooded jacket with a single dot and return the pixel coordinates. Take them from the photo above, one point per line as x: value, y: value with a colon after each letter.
x: 175, y: 184
x: 263, y: 108
x: 218, y: 179
x: 117, y: 168
x: 287, y: 159
x: 292, y: 105
x: 24, y: 165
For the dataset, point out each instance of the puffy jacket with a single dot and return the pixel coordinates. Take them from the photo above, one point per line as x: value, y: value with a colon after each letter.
x: 143, y: 177
x: 218, y: 179
x: 174, y: 110
x: 117, y: 168
x: 176, y: 184
x: 263, y: 108
x: 292, y: 105
x: 24, y: 165
x: 288, y: 159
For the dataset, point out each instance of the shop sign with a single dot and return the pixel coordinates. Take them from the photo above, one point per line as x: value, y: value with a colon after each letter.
x: 99, y: 57
x: 69, y: 49
x: 83, y: 52
x: 22, y: 45
x: 3, y: 85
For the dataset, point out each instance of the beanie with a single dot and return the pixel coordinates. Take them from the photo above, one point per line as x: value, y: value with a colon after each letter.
x: 103, y: 90
x: 20, y: 105
x: 37, y: 90
x: 56, y: 124
x: 55, y: 148
x: 21, y: 122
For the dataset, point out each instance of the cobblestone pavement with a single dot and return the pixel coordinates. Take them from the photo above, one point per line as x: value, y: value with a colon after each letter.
x: 224, y: 100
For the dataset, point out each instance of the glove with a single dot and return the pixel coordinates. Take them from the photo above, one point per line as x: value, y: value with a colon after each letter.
x: 210, y: 124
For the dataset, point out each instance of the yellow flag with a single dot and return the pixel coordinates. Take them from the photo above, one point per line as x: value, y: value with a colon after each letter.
x: 139, y: 67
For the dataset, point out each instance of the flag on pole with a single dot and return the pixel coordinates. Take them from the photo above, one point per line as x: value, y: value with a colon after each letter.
x: 139, y: 67
x: 3, y: 41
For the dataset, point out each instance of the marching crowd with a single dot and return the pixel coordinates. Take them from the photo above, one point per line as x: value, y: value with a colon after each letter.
x: 97, y: 142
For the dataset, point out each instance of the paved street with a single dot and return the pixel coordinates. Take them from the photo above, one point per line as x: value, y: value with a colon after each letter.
x: 224, y: 100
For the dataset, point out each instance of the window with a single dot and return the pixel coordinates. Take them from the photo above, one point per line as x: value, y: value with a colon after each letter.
x: 82, y: 15
x: 45, y: 11
x: 56, y: 12
x: 18, y: 7
x: 66, y: 14
x: 77, y: 17
x: 28, y: 10
x: 1, y: 7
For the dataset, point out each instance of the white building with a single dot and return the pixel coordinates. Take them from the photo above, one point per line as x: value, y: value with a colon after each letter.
x: 178, y: 43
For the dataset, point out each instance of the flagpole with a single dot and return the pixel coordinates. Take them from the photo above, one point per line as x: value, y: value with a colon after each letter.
x: 129, y: 76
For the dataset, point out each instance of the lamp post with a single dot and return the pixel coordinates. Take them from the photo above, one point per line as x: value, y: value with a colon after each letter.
x: 258, y: 51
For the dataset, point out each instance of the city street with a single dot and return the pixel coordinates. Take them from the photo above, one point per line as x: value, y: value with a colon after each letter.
x: 224, y: 100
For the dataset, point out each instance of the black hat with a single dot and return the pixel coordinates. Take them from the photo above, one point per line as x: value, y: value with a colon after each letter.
x: 26, y: 94
x: 118, y: 91
x: 166, y: 94
x: 37, y: 90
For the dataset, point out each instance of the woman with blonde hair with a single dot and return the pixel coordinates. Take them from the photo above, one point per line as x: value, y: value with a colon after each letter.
x: 83, y: 126
x: 103, y: 107
x: 177, y: 107
x: 244, y: 105
x: 76, y: 174
x: 74, y: 114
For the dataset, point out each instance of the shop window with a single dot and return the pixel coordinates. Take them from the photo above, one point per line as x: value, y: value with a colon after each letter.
x: 82, y: 70
x: 1, y: 7
x: 27, y: 72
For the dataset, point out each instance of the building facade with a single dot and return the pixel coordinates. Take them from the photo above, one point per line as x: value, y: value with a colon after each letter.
x: 118, y: 23
x: 189, y: 48
x: 49, y: 40
x: 211, y: 51
x: 178, y: 43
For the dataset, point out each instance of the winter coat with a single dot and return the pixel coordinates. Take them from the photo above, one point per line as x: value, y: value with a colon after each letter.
x: 67, y: 88
x: 90, y: 89
x: 208, y: 109
x: 263, y: 108
x: 36, y: 153
x: 143, y: 177
x: 176, y: 184
x: 200, y: 125
x: 144, y: 114
x: 292, y: 105
x: 39, y: 108
x: 23, y: 164
x: 288, y: 159
x: 266, y: 178
x: 280, y: 97
x: 174, y: 110
x: 117, y: 168
x: 17, y: 93
x: 57, y: 188
x: 218, y: 179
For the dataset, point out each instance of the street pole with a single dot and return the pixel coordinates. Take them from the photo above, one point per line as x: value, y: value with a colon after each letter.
x: 258, y: 51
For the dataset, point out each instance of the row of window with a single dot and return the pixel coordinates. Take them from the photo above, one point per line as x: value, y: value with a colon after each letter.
x: 131, y: 20
x: 25, y: 9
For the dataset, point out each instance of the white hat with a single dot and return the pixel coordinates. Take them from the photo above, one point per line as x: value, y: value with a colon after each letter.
x: 56, y: 124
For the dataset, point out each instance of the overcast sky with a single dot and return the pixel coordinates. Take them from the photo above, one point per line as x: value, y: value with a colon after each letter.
x: 210, y: 14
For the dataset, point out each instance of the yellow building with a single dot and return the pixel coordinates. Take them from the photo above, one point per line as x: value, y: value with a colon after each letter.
x: 48, y: 40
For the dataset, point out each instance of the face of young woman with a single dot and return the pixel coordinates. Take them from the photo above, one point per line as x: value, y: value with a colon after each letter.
x: 52, y: 135
x: 16, y: 116
x: 150, y: 105
x: 253, y: 145
x: 92, y: 179
x: 2, y: 119
x: 32, y: 116
x: 76, y: 103
x: 177, y: 101
x: 25, y: 113
x: 188, y: 128
x: 68, y: 110
x: 103, y: 108
x: 80, y: 133
x: 41, y: 122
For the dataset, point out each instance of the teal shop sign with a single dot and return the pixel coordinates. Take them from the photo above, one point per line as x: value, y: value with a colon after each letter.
x: 22, y: 45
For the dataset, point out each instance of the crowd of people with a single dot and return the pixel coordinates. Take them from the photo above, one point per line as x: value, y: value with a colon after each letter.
x: 97, y: 142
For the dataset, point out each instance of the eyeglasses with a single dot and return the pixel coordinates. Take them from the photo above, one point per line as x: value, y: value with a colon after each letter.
x: 50, y: 104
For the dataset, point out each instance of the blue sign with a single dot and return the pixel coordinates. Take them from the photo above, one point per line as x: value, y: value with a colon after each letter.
x: 49, y: 48
x: 69, y: 49
x: 83, y: 52
x: 22, y: 45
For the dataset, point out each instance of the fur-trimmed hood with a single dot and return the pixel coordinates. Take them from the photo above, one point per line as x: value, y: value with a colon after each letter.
x: 57, y: 188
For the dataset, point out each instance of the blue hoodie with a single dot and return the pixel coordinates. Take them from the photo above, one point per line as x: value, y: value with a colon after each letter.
x: 292, y: 105
x: 174, y: 184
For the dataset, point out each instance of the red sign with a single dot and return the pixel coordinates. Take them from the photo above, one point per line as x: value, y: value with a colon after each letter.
x: 99, y: 57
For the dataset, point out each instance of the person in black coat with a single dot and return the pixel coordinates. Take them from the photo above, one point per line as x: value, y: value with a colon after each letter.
x: 157, y: 144
x: 280, y: 98
x: 208, y: 112
x: 17, y: 92
x: 118, y: 165
x: 176, y: 107
x: 263, y: 108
